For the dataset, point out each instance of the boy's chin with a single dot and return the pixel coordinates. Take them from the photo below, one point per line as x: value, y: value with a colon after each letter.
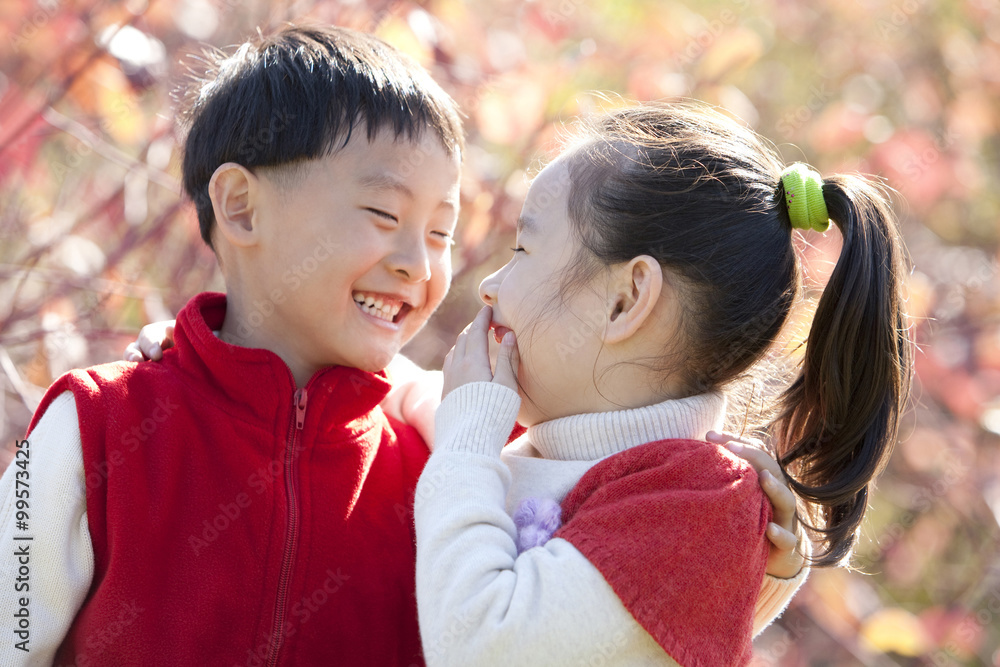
x: 375, y: 362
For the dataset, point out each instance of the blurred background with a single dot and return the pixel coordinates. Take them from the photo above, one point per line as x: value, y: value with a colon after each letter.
x: 96, y: 240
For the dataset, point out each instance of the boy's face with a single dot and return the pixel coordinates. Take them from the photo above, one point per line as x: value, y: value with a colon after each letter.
x: 355, y: 252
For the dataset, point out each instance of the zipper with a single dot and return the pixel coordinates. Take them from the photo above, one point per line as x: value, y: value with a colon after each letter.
x: 291, y: 537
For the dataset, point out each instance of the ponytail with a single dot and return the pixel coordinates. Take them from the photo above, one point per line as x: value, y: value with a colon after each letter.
x: 837, y: 422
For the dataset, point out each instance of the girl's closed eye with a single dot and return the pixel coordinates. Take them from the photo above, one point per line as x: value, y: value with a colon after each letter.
x: 517, y: 249
x: 444, y: 237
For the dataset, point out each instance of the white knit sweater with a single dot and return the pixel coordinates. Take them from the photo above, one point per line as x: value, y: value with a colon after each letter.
x: 481, y: 603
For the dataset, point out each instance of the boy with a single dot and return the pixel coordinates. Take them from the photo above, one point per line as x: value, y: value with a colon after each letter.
x: 238, y: 503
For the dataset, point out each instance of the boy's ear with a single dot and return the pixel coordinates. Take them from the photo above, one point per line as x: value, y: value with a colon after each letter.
x: 234, y: 190
x: 638, y: 285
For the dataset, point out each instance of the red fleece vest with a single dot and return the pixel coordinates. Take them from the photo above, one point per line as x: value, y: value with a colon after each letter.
x: 237, y: 520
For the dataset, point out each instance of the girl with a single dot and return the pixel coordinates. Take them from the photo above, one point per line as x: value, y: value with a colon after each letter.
x: 653, y: 270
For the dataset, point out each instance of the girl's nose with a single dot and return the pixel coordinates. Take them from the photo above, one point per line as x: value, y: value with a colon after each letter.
x: 488, y: 288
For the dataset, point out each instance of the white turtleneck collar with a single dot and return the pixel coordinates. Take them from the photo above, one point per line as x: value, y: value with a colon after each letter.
x: 596, y: 435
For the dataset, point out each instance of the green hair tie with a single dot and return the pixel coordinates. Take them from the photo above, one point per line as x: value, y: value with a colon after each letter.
x: 804, y: 196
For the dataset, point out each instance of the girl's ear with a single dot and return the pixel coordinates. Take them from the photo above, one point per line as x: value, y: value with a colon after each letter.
x: 234, y: 190
x: 638, y: 285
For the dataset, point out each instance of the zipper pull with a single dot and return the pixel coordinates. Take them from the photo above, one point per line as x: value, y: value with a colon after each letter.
x: 300, y: 408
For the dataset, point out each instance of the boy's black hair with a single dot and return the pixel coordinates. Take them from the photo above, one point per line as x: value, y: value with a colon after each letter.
x: 298, y: 95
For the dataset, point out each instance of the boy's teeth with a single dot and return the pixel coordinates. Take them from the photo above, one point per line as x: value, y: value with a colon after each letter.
x: 384, y: 310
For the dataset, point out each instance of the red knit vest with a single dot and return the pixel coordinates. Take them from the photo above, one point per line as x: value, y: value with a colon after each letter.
x: 236, y: 520
x: 677, y: 529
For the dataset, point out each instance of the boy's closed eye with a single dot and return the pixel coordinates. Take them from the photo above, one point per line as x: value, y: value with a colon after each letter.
x: 446, y: 237
x: 382, y: 214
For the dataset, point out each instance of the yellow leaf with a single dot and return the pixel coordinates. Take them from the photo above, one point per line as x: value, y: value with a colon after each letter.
x: 895, y: 630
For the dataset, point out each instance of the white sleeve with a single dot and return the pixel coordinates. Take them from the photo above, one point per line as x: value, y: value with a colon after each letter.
x: 479, y: 602
x: 775, y: 594
x: 53, y: 578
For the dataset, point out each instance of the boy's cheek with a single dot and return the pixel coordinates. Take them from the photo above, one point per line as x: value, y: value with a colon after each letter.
x: 415, y: 324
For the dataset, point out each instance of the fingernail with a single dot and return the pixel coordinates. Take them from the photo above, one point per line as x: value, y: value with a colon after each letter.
x: 772, y: 529
x: 734, y: 447
x: 766, y: 474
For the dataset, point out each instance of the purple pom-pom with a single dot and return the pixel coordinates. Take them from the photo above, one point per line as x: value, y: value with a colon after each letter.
x: 536, y: 519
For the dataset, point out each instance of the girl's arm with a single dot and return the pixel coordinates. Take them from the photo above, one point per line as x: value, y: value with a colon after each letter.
x: 786, y: 557
x: 480, y: 603
x: 414, y: 397
x: 785, y: 563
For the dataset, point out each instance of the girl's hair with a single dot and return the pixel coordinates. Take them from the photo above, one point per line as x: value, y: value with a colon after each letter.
x: 702, y: 194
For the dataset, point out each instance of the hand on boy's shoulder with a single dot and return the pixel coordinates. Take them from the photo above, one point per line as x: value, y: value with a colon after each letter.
x: 153, y: 339
x: 786, y: 556
x: 414, y: 396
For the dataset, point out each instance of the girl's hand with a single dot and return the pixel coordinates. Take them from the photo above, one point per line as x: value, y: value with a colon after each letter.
x: 152, y: 341
x: 414, y: 396
x: 785, y: 559
x: 469, y: 360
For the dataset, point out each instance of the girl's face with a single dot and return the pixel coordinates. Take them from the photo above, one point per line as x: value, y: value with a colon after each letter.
x: 558, y: 336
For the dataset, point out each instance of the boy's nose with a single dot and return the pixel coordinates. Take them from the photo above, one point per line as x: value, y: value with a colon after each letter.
x: 412, y: 261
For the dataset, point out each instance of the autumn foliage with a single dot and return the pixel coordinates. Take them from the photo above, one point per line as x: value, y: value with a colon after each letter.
x: 96, y: 240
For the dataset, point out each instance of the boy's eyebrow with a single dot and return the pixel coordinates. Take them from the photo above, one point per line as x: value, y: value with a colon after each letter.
x: 382, y: 180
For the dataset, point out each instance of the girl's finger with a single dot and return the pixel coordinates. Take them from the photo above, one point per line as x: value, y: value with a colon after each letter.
x: 132, y: 353
x: 508, y: 360
x: 478, y: 334
x: 781, y: 538
x: 448, y: 383
x: 483, y: 319
x: 156, y: 337
x: 782, y: 499
x: 458, y: 349
x: 758, y: 458
x: 475, y: 329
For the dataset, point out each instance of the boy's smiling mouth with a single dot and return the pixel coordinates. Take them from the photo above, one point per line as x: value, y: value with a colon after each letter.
x: 385, y: 307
